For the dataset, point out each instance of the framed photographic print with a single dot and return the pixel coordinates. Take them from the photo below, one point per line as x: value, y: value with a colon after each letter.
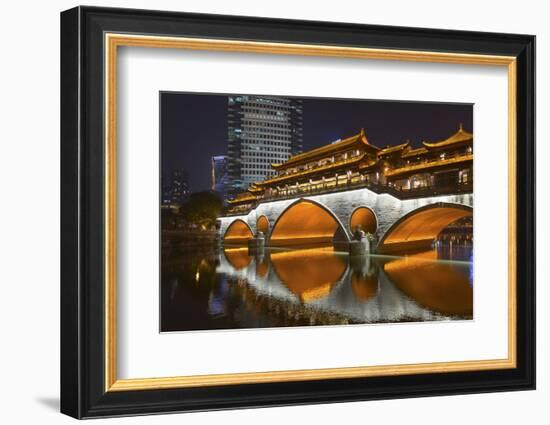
x: 261, y: 212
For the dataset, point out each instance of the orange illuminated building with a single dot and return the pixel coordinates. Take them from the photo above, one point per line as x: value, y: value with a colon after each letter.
x: 436, y: 168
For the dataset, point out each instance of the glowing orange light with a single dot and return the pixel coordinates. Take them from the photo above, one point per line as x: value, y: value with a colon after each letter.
x: 421, y: 228
x: 309, y: 273
x: 364, y: 287
x: 262, y: 268
x: 237, y: 257
x: 435, y: 285
x: 364, y: 218
x: 304, y: 222
x: 238, y: 232
x: 262, y: 224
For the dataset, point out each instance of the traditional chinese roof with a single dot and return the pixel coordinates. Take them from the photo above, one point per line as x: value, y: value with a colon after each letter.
x: 460, y: 136
x: 393, y: 149
x: 364, y: 162
x: 242, y: 197
x: 414, y: 152
x: 333, y: 148
x: 329, y: 166
x: 253, y: 188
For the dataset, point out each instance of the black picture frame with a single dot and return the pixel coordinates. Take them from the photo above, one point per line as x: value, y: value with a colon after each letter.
x: 83, y: 392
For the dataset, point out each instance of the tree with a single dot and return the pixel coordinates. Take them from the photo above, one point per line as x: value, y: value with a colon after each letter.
x: 202, y: 209
x: 168, y: 218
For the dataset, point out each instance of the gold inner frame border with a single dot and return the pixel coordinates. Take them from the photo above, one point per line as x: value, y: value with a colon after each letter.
x: 111, y: 43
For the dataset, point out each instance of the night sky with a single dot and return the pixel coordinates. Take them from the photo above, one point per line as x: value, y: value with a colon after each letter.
x: 194, y: 127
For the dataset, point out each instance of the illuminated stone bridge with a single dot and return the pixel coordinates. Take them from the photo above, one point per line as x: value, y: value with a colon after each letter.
x: 402, y: 196
x: 397, y: 225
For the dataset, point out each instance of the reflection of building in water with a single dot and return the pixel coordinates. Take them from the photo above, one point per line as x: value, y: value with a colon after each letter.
x: 237, y: 257
x: 364, y: 278
x: 310, y: 273
x: 436, y: 168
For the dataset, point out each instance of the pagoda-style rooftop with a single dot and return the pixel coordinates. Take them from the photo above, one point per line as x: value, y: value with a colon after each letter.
x: 390, y: 150
x: 356, y: 141
x: 460, y: 136
x: 329, y: 166
x: 414, y: 152
x: 355, y: 162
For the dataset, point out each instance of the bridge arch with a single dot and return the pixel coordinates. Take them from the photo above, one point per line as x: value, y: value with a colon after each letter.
x: 418, y: 229
x: 306, y: 222
x: 262, y: 224
x: 365, y: 218
x: 238, y: 232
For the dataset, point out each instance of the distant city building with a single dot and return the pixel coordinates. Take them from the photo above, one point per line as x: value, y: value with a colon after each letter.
x: 262, y: 130
x: 166, y: 196
x: 176, y: 189
x: 219, y: 174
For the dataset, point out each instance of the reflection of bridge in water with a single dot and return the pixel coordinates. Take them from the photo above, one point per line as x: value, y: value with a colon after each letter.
x: 398, y: 225
x: 359, y: 289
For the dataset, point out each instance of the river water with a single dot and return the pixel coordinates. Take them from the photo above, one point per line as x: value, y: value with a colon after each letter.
x: 226, y: 288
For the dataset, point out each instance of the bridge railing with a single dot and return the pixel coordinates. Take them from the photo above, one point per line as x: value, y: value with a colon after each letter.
x: 400, y: 193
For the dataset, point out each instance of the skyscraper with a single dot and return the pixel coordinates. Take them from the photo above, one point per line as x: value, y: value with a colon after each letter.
x: 261, y: 130
x: 219, y: 174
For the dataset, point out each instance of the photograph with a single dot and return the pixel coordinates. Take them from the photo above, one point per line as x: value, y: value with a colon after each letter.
x: 285, y: 211
x: 279, y: 210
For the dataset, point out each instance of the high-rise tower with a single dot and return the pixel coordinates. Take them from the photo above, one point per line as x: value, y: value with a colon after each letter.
x: 219, y: 174
x: 261, y: 130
